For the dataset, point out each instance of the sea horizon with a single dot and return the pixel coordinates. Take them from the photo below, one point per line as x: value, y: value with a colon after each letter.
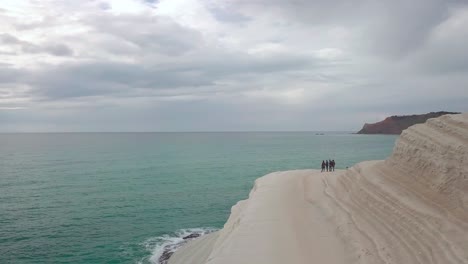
x: 214, y: 131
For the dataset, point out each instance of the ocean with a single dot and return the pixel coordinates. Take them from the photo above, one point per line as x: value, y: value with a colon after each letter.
x: 123, y: 197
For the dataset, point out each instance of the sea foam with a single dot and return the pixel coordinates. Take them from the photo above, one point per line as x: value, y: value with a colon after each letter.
x: 162, y: 247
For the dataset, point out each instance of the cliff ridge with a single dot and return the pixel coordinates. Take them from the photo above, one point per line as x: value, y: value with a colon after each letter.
x: 396, y: 124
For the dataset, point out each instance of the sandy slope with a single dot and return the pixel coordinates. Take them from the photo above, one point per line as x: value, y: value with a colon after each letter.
x: 411, y: 208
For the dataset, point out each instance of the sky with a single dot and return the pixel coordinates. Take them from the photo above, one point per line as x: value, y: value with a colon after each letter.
x: 227, y: 65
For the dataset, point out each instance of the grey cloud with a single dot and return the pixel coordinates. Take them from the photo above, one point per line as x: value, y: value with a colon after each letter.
x: 9, y: 39
x: 236, y: 64
x: 445, y: 52
x: 28, y: 47
x: 49, y: 48
x: 386, y: 28
x: 44, y: 23
x: 228, y: 15
x: 9, y: 74
x: 404, y: 26
x: 58, y: 50
x: 88, y: 79
x: 126, y: 79
x: 104, y: 6
x: 153, y: 34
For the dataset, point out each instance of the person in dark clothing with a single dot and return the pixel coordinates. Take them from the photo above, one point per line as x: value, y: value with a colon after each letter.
x: 323, y: 165
x: 333, y: 164
x: 326, y: 164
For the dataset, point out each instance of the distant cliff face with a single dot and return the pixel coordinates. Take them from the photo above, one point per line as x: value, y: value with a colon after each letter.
x: 396, y: 124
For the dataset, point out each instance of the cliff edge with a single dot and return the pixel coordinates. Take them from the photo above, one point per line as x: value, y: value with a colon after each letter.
x: 410, y: 208
x: 396, y: 124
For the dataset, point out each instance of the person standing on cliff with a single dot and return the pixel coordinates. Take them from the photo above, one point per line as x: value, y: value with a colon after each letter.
x: 326, y: 164
x: 323, y: 165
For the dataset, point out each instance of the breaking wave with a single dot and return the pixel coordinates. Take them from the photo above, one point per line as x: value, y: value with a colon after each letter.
x: 162, y: 247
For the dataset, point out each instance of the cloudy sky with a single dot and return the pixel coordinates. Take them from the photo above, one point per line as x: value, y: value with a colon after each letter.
x: 228, y: 65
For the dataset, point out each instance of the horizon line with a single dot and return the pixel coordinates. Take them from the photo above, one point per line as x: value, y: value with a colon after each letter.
x: 214, y: 131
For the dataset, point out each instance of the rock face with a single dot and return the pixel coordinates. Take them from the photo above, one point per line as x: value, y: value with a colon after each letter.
x: 412, y: 207
x: 396, y: 124
x: 435, y: 154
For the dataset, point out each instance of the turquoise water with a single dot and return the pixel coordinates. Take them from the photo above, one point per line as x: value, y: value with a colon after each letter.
x: 117, y: 197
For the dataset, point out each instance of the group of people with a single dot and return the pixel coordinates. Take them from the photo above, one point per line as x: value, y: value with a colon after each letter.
x: 328, y: 165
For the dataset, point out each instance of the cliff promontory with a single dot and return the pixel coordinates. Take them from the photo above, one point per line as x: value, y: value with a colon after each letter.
x: 409, y: 208
x: 396, y: 124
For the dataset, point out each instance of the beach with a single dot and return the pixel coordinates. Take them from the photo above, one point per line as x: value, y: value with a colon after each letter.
x: 410, y: 208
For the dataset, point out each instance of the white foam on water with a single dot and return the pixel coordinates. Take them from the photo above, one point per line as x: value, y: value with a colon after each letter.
x: 170, y: 243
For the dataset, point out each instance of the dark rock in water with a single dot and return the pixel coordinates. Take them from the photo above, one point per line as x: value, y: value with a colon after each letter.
x: 170, y: 249
x: 194, y: 235
x: 164, y: 258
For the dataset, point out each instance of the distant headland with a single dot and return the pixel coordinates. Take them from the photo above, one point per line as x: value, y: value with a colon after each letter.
x: 396, y: 124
